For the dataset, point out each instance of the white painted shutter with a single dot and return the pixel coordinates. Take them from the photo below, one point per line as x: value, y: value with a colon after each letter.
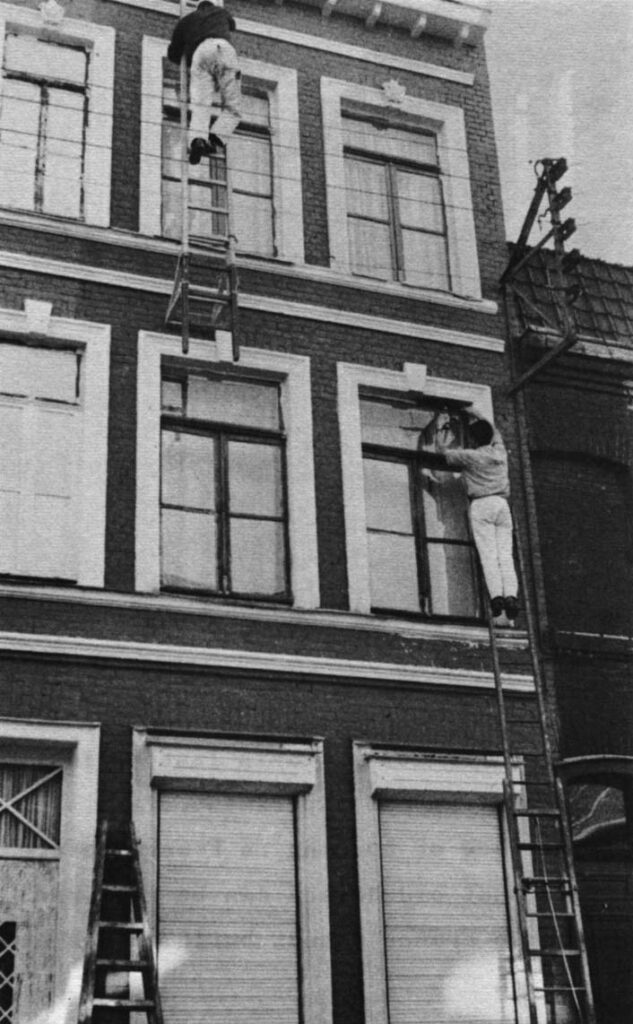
x: 227, y: 909
x: 445, y: 912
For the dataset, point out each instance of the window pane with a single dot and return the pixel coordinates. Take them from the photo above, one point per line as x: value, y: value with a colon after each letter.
x: 420, y: 201
x: 597, y: 812
x: 387, y: 496
x: 171, y: 213
x: 38, y: 372
x: 445, y: 506
x: 19, y: 127
x: 52, y: 541
x: 253, y: 224
x: 171, y: 151
x: 255, y: 108
x: 366, y: 189
x: 39, y: 807
x: 188, y: 549
x: 425, y: 260
x: 452, y: 578
x: 250, y: 164
x: 397, y: 425
x: 370, y: 249
x: 188, y: 470
x: 50, y: 60
x: 393, y: 572
x: 255, y: 484
x: 389, y: 141
x: 228, y: 401
x: 64, y: 154
x: 257, y: 557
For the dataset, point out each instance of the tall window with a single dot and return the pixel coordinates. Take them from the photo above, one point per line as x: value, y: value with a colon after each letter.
x: 40, y: 438
x: 421, y: 558
x: 395, y: 208
x: 251, y: 177
x: 43, y: 124
x: 223, y: 490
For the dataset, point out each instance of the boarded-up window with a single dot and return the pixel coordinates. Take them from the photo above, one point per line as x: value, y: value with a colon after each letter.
x: 445, y: 911
x: 40, y: 432
x: 228, y: 909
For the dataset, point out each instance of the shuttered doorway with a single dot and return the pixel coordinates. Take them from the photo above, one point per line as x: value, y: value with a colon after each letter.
x: 228, y: 939
x: 447, y: 937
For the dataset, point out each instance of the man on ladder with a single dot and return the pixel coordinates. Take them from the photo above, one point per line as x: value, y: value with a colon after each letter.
x: 484, y: 469
x: 204, y: 38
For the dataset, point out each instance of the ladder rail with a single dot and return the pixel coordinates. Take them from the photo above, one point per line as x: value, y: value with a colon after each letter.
x: 86, y: 998
x: 145, y: 941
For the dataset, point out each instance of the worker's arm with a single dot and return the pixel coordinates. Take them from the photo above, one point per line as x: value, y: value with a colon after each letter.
x: 177, y: 44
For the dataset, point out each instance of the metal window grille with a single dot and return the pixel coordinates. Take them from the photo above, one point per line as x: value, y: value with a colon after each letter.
x: 8, y: 952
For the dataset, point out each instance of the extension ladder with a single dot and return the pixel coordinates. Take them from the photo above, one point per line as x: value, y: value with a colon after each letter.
x: 557, y: 981
x: 119, y: 948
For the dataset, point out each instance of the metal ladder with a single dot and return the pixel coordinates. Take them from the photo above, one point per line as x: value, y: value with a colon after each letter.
x: 119, y: 946
x: 206, y: 283
x: 558, y: 985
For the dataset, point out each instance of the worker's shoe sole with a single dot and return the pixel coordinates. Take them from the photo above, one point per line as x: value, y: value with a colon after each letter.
x: 496, y: 606
x: 198, y: 149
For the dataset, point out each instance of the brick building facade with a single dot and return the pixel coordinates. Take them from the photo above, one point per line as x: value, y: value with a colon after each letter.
x: 237, y: 605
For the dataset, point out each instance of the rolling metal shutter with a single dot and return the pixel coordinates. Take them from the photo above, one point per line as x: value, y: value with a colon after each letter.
x: 228, y: 909
x: 445, y: 912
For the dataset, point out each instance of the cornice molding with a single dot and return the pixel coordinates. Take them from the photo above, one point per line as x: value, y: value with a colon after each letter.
x: 351, y: 670
x: 264, y: 303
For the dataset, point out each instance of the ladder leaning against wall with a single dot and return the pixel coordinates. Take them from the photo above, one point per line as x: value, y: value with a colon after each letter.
x: 557, y: 980
x: 206, y: 284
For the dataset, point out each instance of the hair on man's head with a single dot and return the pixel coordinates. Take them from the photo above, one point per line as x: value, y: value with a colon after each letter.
x: 481, y: 433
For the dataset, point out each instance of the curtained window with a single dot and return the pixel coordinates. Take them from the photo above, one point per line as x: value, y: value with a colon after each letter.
x: 30, y: 806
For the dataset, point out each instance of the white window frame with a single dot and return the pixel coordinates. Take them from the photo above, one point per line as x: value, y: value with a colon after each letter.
x: 162, y: 762
x: 351, y: 378
x: 400, y: 775
x: 92, y: 340
x: 76, y: 747
x: 281, y: 84
x: 99, y: 41
x: 296, y: 401
x: 447, y: 123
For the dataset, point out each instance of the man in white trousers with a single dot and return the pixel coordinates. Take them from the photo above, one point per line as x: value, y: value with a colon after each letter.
x: 484, y: 469
x: 204, y: 37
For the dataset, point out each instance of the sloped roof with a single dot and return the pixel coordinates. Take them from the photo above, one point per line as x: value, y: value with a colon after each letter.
x: 604, y: 308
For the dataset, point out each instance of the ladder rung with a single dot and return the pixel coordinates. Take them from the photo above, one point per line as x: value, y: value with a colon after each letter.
x: 546, y: 880
x: 535, y: 813
x: 542, y: 846
x: 125, y: 1004
x: 122, y: 926
x: 560, y: 988
x: 115, y: 851
x: 124, y: 965
x: 107, y: 887
x: 555, y: 952
x: 548, y: 914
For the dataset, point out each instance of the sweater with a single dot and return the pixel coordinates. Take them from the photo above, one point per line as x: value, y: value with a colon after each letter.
x: 206, y: 22
x: 484, y: 470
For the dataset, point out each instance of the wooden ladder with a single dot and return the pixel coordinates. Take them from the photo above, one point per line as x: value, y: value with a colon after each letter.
x: 119, y: 946
x: 552, y: 938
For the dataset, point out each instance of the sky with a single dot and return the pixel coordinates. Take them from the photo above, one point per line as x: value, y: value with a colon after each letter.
x: 561, y: 75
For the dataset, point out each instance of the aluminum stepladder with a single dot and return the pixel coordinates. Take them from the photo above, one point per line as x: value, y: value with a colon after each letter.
x: 557, y: 981
x: 206, y: 283
x: 119, y: 944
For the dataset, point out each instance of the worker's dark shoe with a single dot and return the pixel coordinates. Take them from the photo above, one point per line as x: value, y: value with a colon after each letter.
x: 496, y: 606
x: 216, y: 146
x: 198, y: 149
x: 511, y: 607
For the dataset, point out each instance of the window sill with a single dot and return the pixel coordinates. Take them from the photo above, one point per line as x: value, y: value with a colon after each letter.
x: 213, y: 608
